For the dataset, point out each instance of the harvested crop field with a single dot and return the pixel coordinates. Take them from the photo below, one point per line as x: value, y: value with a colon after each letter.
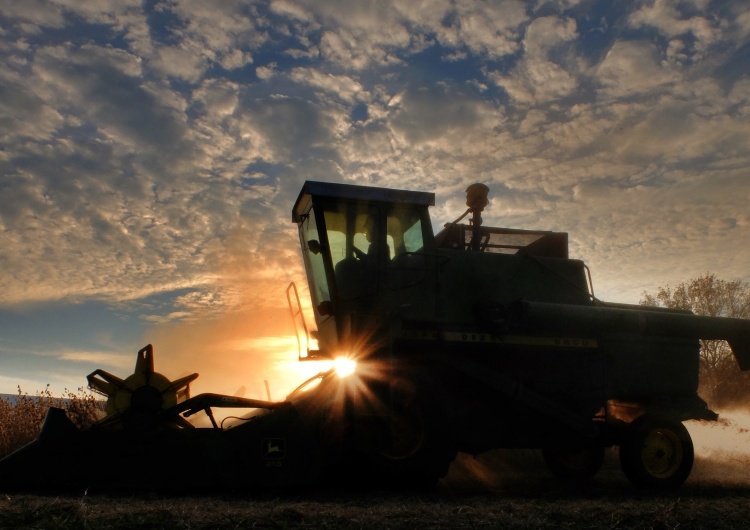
x: 499, y: 490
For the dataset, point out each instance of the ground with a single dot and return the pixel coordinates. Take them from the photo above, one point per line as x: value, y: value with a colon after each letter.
x: 498, y: 490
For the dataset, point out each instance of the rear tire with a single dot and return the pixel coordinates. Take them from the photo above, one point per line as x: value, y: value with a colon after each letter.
x: 656, y: 452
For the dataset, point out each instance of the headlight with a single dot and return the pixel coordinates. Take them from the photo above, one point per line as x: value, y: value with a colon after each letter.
x: 344, y: 366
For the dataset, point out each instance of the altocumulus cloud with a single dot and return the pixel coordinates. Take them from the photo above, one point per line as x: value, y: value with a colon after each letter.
x: 149, y: 153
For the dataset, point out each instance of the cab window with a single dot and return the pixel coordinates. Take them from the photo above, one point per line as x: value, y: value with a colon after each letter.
x: 404, y: 227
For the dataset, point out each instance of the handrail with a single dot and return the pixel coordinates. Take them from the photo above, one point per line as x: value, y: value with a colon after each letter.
x: 298, y: 318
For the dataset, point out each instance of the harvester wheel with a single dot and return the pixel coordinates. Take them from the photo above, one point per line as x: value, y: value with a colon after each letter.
x: 574, y: 464
x: 415, y: 455
x: 407, y: 432
x: 656, y: 452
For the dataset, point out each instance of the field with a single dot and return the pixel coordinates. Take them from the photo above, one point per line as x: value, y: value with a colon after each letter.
x: 503, y: 489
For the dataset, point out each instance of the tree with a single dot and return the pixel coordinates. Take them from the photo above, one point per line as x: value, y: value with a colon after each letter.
x: 721, y: 382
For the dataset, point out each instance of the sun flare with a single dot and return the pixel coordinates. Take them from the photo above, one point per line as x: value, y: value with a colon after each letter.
x: 344, y: 366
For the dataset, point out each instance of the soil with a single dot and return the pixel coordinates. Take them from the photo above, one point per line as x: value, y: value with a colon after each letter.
x: 502, y: 489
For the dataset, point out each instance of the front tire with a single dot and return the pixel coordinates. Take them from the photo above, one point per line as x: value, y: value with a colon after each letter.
x: 656, y: 453
x: 415, y: 453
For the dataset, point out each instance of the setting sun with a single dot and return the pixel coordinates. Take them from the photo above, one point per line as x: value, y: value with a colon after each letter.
x: 344, y: 366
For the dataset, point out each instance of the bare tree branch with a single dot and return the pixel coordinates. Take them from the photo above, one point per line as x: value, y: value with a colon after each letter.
x: 721, y: 380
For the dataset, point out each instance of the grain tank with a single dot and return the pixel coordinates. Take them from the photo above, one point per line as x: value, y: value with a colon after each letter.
x: 482, y: 337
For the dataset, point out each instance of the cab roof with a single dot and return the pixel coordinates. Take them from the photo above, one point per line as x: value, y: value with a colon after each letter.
x: 330, y: 190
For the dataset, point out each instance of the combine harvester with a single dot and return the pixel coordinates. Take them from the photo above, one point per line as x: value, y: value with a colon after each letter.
x: 468, y: 340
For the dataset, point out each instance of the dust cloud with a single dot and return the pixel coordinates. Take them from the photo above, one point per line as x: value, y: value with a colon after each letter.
x: 722, y: 449
x: 722, y: 459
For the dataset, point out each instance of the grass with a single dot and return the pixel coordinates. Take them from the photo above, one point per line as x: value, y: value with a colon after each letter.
x: 20, y: 421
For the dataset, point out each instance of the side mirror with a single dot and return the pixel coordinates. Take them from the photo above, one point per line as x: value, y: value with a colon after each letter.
x: 314, y: 246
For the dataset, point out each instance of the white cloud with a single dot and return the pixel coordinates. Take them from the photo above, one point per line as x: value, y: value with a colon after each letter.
x: 107, y: 359
x: 342, y: 47
x: 545, y: 33
x: 235, y: 59
x: 490, y: 28
x: 361, y: 34
x: 583, y: 128
x: 23, y: 113
x: 291, y: 8
x: 219, y: 28
x: 633, y: 68
x: 336, y: 86
x: 98, y: 11
x: 666, y: 17
x: 741, y: 21
x: 220, y: 97
x: 33, y: 15
x: 128, y: 170
x: 285, y: 128
x: 180, y: 62
x: 266, y: 72
x: 426, y: 114
x: 538, y: 79
x: 740, y: 93
x: 537, y: 82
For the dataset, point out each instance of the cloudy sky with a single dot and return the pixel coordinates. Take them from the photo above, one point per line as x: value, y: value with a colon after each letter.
x: 150, y: 153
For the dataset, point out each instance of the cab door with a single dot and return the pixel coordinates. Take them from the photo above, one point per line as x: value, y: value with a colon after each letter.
x: 317, y: 259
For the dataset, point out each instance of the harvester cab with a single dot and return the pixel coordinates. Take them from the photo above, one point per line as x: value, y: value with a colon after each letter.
x: 365, y: 253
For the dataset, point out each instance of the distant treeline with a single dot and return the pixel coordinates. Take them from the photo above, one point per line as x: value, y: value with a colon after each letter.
x: 722, y: 384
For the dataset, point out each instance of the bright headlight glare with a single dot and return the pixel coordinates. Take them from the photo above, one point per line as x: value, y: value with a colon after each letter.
x: 344, y: 366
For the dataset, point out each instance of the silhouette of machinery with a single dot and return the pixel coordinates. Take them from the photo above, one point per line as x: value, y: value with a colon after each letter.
x: 469, y: 339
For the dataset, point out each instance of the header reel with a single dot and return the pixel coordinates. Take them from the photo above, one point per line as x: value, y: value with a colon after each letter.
x: 140, y: 399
